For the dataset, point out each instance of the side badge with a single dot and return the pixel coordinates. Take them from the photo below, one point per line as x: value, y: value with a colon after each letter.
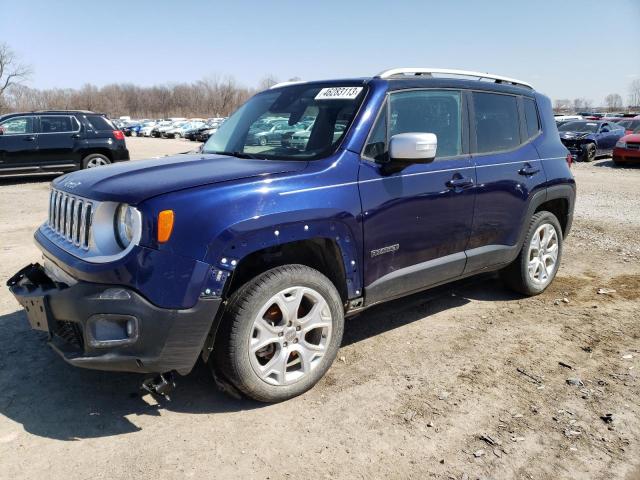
x: 383, y: 250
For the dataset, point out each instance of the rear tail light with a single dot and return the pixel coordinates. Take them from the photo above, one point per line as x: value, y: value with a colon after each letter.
x: 118, y: 135
x: 569, y: 159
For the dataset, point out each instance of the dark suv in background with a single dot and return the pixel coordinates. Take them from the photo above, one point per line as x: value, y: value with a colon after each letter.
x: 55, y: 141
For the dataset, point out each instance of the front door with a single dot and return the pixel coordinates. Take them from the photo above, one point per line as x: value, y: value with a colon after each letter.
x: 417, y: 221
x: 18, y: 144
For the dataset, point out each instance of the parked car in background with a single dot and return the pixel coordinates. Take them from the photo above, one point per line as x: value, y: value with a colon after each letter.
x: 627, y: 149
x: 181, y: 130
x: 250, y: 258
x: 588, y: 139
x: 274, y: 133
x: 161, y: 127
x: 58, y: 141
x: 630, y: 125
x: 204, y: 134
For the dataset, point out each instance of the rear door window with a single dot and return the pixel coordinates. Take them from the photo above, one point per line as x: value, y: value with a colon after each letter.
x: 497, y: 122
x: 57, y: 124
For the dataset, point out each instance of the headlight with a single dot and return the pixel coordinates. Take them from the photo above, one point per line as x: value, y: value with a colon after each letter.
x: 127, y: 224
x: 621, y: 144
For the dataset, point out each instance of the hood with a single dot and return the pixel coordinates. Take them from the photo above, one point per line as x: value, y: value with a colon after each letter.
x: 632, y: 137
x: 574, y: 135
x: 133, y: 182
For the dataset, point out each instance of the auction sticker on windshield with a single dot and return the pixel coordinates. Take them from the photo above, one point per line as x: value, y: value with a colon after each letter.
x: 338, y: 93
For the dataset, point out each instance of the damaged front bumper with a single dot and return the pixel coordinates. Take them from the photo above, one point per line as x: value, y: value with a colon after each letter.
x: 108, y: 327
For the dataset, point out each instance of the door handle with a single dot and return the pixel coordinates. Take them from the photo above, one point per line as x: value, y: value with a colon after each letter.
x: 75, y: 135
x: 528, y: 170
x: 30, y: 138
x: 459, y: 183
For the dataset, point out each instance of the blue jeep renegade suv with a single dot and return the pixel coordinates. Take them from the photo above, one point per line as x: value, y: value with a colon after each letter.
x: 252, y: 255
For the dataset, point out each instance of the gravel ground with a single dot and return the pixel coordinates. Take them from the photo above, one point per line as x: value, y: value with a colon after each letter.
x: 469, y: 381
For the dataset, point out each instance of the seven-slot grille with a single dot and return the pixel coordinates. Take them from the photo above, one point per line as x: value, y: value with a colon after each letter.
x: 70, y: 217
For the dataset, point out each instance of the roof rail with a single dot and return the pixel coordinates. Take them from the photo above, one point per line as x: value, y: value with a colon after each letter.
x: 284, y: 84
x: 428, y: 72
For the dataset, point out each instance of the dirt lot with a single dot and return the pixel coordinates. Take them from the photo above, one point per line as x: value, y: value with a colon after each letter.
x: 463, y: 383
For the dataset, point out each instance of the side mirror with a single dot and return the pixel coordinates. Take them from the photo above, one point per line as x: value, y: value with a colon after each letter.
x: 1, y: 131
x: 605, y: 130
x: 413, y: 147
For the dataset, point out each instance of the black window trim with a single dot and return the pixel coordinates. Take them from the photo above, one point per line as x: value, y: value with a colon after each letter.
x: 34, y: 117
x: 466, y: 130
x: 71, y: 117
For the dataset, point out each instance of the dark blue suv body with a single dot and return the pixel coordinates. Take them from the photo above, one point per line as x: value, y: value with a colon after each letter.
x: 251, y: 256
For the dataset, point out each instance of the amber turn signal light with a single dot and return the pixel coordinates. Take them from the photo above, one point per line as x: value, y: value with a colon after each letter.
x: 165, y: 225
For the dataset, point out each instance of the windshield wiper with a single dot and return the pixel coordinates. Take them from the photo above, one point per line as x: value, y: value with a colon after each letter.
x: 235, y: 154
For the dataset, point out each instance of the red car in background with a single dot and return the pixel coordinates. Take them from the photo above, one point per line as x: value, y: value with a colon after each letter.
x: 630, y: 125
x: 627, y: 149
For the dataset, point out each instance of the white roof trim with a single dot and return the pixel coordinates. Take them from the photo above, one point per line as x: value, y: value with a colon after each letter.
x: 445, y: 71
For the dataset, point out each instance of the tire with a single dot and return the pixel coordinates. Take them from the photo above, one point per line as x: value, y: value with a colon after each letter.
x: 589, y: 154
x: 518, y: 276
x: 253, y: 370
x: 263, y: 141
x: 95, y: 160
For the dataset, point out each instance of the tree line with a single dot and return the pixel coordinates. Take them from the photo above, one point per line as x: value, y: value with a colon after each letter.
x: 210, y: 97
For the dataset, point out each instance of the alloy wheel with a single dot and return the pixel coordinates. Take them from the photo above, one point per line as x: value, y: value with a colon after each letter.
x: 543, y: 254
x: 290, y: 335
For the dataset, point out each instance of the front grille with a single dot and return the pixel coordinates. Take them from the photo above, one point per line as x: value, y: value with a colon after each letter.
x: 71, y: 217
x: 70, y: 332
x: 633, y: 146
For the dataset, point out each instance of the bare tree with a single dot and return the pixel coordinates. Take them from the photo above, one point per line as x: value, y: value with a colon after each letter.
x: 634, y: 93
x: 267, y: 82
x: 12, y: 72
x: 613, y: 101
x: 562, y: 104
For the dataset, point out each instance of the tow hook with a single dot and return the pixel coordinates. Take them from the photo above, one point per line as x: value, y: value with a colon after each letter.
x: 162, y: 385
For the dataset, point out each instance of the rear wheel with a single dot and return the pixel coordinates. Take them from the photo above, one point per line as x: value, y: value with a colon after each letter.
x: 263, y: 141
x: 280, y: 333
x: 537, y: 264
x: 95, y: 160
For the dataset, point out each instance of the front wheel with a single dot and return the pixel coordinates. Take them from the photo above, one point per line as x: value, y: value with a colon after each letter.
x: 590, y: 151
x: 537, y: 264
x: 280, y: 333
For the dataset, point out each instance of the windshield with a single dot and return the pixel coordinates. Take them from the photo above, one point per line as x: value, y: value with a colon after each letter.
x: 263, y: 127
x: 590, y: 127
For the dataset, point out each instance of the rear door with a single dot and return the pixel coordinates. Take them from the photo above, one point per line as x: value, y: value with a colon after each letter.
x: 58, y: 141
x: 504, y: 129
x: 417, y: 221
x: 18, y: 143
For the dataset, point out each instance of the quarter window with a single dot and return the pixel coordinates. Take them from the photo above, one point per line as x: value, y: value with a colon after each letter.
x: 531, y: 117
x: 497, y: 122
x: 429, y: 111
x: 376, y: 147
x: 56, y: 124
x: 17, y: 126
x: 98, y: 122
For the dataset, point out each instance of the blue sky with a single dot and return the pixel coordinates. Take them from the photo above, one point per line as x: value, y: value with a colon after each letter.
x: 153, y: 42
